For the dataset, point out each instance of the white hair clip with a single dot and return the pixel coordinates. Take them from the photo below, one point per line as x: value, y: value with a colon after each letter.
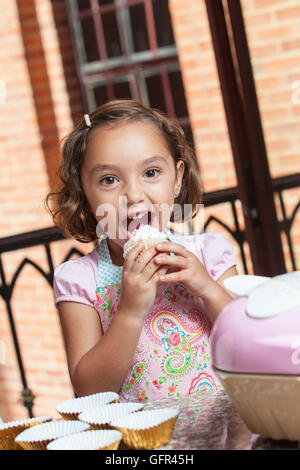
x: 87, y: 120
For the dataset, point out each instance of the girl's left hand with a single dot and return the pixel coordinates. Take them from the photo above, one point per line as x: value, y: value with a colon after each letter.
x: 185, y: 267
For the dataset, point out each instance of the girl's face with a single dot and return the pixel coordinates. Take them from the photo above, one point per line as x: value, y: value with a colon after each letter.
x: 128, y: 170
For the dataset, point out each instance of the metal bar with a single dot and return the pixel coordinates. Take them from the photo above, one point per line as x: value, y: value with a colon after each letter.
x: 257, y: 233
x: 120, y: 14
x: 26, y: 395
x: 122, y: 65
x: 28, y: 239
x: 99, y: 30
x: 287, y: 229
x: 239, y: 236
x: 270, y: 233
x: 167, y: 92
x: 72, y: 26
x: 150, y: 26
x: 286, y: 182
x: 50, y: 261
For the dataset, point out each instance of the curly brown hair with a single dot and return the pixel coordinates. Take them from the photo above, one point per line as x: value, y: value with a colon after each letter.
x: 71, y: 211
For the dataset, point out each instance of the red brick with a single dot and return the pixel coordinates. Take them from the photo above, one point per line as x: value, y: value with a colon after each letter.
x: 275, y: 33
x: 260, y: 19
x: 288, y: 13
x: 267, y: 3
x: 282, y: 64
x: 290, y: 45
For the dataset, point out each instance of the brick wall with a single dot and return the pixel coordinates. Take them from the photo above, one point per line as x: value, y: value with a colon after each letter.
x: 273, y: 30
x: 42, y: 101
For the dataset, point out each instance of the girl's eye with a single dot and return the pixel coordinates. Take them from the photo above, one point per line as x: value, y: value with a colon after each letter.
x: 108, y: 178
x: 152, y: 170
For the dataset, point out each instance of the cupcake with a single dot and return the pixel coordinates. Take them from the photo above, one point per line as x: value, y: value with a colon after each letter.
x: 148, y: 429
x: 146, y: 234
x: 8, y: 431
x: 100, y: 418
x: 38, y: 437
x: 70, y: 409
x: 88, y: 440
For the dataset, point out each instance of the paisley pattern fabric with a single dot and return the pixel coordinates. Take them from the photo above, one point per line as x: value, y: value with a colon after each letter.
x: 172, y: 357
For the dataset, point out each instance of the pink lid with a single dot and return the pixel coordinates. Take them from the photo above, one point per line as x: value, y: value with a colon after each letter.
x: 265, y: 345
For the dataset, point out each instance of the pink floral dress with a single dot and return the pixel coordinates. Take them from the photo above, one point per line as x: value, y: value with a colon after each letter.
x: 172, y: 357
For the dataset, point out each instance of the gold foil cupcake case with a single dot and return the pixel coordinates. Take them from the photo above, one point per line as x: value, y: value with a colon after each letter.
x: 38, y: 437
x: 70, y: 409
x: 88, y: 440
x: 9, y: 430
x: 148, y: 429
x: 100, y: 418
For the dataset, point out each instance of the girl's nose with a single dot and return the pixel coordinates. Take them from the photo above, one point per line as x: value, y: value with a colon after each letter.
x: 134, y: 193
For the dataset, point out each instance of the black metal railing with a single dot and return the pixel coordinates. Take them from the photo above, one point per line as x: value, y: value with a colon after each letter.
x: 47, y: 236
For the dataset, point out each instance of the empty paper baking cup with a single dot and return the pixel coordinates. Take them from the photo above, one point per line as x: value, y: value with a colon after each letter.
x: 70, y: 409
x: 9, y: 430
x: 88, y: 440
x: 38, y: 437
x: 100, y: 418
x: 147, y: 429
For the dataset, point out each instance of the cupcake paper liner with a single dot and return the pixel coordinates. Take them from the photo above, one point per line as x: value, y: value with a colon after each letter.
x: 70, y: 409
x: 100, y: 418
x: 147, y: 429
x: 88, y: 440
x: 147, y: 243
x: 38, y: 437
x: 9, y: 430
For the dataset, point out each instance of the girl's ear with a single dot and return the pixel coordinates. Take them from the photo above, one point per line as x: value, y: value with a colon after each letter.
x: 243, y: 283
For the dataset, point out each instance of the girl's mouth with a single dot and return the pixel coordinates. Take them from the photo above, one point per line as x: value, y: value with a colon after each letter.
x: 133, y: 224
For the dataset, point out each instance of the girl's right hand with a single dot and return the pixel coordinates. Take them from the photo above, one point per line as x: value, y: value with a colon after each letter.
x: 140, y: 278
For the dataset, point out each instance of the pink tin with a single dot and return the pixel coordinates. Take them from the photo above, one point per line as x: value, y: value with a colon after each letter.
x: 255, y: 346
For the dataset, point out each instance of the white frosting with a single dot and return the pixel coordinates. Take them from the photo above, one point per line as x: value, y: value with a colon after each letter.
x: 143, y: 233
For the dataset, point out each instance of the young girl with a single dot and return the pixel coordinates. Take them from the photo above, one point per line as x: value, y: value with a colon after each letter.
x: 139, y: 326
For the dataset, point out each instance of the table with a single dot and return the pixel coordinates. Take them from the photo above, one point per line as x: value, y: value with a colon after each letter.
x: 210, y: 421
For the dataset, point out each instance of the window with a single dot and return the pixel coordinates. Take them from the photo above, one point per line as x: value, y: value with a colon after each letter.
x: 126, y: 49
